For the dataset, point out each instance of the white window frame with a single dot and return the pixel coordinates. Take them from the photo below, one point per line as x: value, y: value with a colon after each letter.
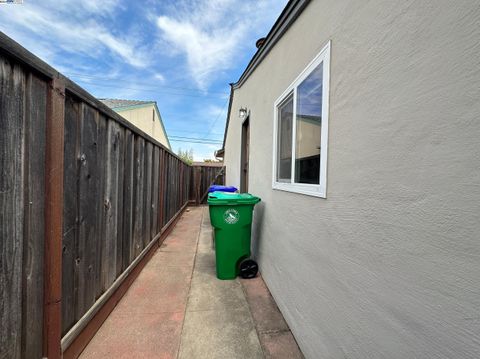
x: 318, y: 190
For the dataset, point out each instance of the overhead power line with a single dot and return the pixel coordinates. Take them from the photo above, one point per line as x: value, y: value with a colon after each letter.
x: 218, y: 117
x: 142, y: 83
x: 150, y: 90
x: 194, y: 138
x: 193, y: 132
x: 194, y: 141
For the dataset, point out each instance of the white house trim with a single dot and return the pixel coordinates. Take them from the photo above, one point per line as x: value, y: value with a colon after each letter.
x: 319, y: 190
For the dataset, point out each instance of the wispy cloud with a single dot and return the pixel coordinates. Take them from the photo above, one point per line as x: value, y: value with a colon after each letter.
x: 158, y: 76
x: 72, y: 26
x: 210, y: 33
x: 102, y: 8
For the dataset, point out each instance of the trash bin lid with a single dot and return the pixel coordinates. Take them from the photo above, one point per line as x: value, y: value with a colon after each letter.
x: 227, y: 198
x: 216, y: 187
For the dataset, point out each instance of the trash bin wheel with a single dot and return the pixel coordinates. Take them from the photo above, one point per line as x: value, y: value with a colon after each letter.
x: 248, y: 268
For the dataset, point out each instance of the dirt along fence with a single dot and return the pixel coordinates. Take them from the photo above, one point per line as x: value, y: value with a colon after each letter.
x: 85, y: 199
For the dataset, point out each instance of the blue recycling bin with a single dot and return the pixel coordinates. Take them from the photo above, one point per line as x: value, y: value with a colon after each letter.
x: 218, y: 188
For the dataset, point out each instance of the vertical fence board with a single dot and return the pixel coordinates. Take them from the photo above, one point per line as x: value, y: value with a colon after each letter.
x: 88, y: 210
x: 174, y: 186
x: 167, y: 190
x: 186, y: 178
x: 190, y: 186
x: 34, y: 229
x: 54, y: 169
x: 110, y: 207
x: 128, y: 197
x: 170, y: 184
x: 178, y: 184
x: 70, y: 211
x: 187, y: 184
x: 120, y: 206
x: 98, y: 248
x: 166, y: 177
x: 161, y: 194
x: 155, y: 185
x: 12, y: 85
x: 139, y: 194
x: 147, y: 194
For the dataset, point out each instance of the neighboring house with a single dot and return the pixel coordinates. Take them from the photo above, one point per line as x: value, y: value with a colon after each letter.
x: 357, y: 123
x: 208, y: 164
x: 143, y: 114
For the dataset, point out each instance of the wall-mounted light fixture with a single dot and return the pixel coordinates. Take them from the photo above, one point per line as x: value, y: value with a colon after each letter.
x: 242, y: 113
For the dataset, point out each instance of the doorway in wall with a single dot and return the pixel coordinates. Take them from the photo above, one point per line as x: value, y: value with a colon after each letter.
x: 244, y: 155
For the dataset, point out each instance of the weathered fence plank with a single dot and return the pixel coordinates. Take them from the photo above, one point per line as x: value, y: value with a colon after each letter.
x: 139, y: 194
x: 128, y: 198
x: 147, y: 194
x: 54, y: 168
x: 161, y: 190
x: 168, y: 185
x: 12, y: 157
x: 155, y: 184
x: 98, y: 248
x: 120, y: 194
x: 70, y: 212
x: 109, y: 254
x: 89, y: 195
x: 32, y: 309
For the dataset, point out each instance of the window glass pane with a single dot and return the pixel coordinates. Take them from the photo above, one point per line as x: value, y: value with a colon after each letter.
x: 284, y: 157
x: 309, y: 123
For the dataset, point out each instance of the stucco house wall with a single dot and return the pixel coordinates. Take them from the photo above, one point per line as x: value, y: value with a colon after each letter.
x: 147, y: 119
x: 388, y: 265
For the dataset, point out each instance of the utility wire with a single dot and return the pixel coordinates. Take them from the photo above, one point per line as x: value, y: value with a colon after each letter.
x: 141, y: 83
x: 194, y: 132
x: 194, y: 138
x: 218, y: 117
x: 149, y: 90
x: 194, y: 141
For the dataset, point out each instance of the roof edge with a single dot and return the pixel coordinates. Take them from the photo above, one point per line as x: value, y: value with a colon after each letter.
x: 120, y: 109
x: 288, y: 16
x: 130, y: 107
x: 228, y: 117
x: 163, y: 126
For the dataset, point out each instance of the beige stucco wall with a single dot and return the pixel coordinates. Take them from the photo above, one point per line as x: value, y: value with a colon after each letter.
x: 388, y: 265
x: 146, y: 119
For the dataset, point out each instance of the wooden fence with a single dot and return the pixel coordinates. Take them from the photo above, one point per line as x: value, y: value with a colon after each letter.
x: 85, y: 199
x: 203, y: 177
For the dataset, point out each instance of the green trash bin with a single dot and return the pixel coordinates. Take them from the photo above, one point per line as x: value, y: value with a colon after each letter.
x: 231, y: 217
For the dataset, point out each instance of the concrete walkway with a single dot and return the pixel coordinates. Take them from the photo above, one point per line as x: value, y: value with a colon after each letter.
x: 177, y: 308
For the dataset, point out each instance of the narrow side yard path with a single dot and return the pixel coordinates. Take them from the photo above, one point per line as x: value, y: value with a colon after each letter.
x: 177, y: 308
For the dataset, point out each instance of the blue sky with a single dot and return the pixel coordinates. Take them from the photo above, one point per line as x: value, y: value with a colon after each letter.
x: 181, y: 54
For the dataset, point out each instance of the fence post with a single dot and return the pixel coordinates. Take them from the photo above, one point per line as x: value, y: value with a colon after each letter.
x: 198, y: 184
x: 52, y: 326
